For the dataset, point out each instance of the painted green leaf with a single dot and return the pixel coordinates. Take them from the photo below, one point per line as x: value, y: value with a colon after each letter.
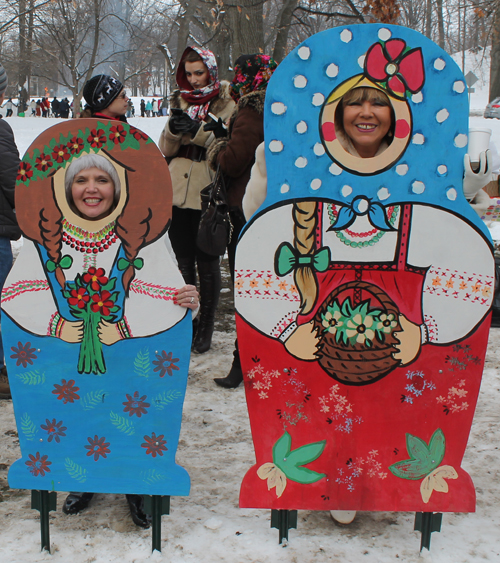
x: 303, y: 475
x: 151, y: 476
x: 28, y: 428
x: 165, y: 398
x: 281, y: 449
x: 424, y: 458
x: 142, y: 364
x: 31, y: 377
x: 92, y: 399
x: 306, y: 454
x: 123, y: 424
x: 75, y: 471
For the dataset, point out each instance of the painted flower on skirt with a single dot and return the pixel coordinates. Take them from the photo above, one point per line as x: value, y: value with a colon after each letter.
x: 136, y: 405
x: 54, y: 429
x: 96, y: 138
x: 38, y: 465
x: 138, y: 135
x: 97, y: 447
x: 101, y: 303
x: 23, y: 354
x: 165, y: 363
x: 43, y: 162
x: 154, y: 445
x: 75, y: 145
x: 117, y: 134
x: 66, y: 391
x: 25, y: 172
x: 79, y: 297
x: 60, y: 153
x: 97, y: 277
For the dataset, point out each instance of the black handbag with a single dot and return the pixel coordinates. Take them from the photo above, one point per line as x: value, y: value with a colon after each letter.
x: 215, y: 230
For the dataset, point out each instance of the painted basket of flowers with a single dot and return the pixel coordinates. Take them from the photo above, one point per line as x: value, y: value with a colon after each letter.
x: 357, y: 339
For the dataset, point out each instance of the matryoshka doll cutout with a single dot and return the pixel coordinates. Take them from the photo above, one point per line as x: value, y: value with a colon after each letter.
x: 363, y: 285
x: 96, y: 349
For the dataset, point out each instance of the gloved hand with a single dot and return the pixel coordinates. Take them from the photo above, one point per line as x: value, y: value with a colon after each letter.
x: 474, y: 181
x: 217, y: 127
x: 179, y: 124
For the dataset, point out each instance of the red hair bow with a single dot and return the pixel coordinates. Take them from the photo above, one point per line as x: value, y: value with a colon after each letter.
x: 398, y: 70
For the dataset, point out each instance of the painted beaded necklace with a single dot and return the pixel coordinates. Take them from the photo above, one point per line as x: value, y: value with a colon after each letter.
x: 88, y: 242
x: 370, y: 237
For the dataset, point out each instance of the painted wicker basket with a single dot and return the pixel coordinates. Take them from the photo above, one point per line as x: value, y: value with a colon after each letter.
x: 357, y: 363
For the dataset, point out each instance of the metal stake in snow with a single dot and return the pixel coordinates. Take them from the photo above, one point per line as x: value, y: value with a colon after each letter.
x: 156, y: 505
x: 283, y: 520
x: 427, y: 522
x: 44, y: 502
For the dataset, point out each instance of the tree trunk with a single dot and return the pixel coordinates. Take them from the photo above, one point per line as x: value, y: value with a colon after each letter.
x: 247, y: 28
x: 495, y: 56
x: 428, y: 19
x: 439, y: 9
x: 23, y: 55
x: 183, y: 32
x: 283, y: 23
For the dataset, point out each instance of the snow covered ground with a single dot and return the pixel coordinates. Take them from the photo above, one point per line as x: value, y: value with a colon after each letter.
x: 216, y: 449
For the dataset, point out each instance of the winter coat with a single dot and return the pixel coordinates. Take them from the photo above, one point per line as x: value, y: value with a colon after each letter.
x: 236, y: 153
x: 189, y: 177
x: 9, y: 166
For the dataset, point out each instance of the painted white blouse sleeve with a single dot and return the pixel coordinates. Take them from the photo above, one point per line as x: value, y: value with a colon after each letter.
x: 460, y: 279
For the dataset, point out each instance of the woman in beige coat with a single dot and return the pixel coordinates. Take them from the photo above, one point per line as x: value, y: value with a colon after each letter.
x: 184, y: 142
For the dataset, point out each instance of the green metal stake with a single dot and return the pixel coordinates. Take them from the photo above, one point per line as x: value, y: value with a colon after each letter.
x: 44, y: 502
x: 283, y: 520
x: 156, y: 505
x: 427, y: 522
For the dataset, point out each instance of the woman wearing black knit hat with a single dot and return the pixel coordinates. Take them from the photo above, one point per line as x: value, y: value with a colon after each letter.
x: 106, y: 98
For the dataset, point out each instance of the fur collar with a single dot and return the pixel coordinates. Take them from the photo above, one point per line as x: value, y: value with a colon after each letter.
x: 254, y: 99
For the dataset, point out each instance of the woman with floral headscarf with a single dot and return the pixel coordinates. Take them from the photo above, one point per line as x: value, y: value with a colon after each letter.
x: 184, y: 142
x: 234, y: 152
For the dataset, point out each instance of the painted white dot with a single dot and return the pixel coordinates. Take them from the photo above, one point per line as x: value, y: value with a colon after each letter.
x: 442, y: 169
x: 346, y: 190
x: 402, y: 169
x: 301, y: 162
x: 451, y: 194
x: 275, y: 146
x: 316, y: 184
x: 335, y: 169
x: 459, y: 86
x: 442, y: 115
x: 461, y: 140
x: 417, y: 98
x: 301, y: 127
x: 285, y: 188
x: 361, y: 61
x: 418, y: 187
x: 362, y: 204
x: 439, y: 64
x: 278, y: 108
x: 319, y: 149
x: 318, y: 99
x: 383, y: 193
x: 332, y: 70
x: 346, y: 36
x: 304, y: 53
x: 418, y: 139
x: 384, y: 34
x: 299, y: 81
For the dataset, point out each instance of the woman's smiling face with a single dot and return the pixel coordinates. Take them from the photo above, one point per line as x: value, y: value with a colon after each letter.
x: 93, y: 193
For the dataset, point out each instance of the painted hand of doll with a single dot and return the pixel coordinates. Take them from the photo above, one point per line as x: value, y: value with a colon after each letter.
x: 108, y: 333
x: 188, y: 297
x: 72, y: 331
x: 303, y: 343
x: 474, y: 181
x: 409, y: 341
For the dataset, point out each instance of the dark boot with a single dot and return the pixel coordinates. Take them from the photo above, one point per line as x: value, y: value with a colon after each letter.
x: 4, y: 384
x: 76, y: 502
x: 187, y: 267
x: 136, y: 505
x: 235, y: 375
x: 210, y: 282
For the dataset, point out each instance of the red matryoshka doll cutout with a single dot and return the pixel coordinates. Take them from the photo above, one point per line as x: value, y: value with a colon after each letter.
x: 364, y: 282
x: 96, y: 349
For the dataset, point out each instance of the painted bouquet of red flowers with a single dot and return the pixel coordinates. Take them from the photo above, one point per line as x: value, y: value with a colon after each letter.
x: 91, y: 298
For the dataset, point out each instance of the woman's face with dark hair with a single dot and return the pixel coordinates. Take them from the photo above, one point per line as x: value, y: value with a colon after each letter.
x: 197, y: 74
x: 93, y: 193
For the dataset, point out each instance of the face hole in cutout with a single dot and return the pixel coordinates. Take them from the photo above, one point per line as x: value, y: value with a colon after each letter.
x: 389, y: 141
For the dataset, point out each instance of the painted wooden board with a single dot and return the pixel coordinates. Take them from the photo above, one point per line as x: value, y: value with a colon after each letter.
x: 90, y: 416
x: 363, y: 286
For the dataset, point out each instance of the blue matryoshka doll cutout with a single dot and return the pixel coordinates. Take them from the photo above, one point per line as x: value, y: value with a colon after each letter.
x: 363, y: 285
x: 96, y: 350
